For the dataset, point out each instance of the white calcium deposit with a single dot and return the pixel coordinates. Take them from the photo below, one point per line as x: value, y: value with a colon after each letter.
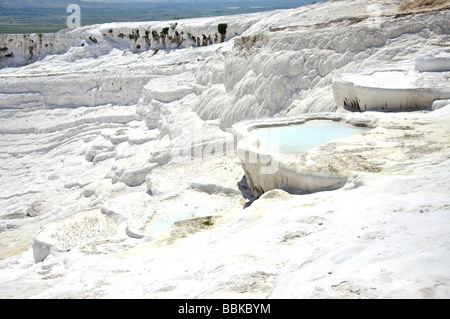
x: 119, y: 173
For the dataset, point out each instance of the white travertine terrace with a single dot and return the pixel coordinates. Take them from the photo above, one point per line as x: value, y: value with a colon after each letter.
x: 267, y: 170
x: 119, y: 130
x: 397, y: 87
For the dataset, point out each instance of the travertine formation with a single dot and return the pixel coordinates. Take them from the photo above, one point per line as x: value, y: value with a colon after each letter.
x: 120, y: 168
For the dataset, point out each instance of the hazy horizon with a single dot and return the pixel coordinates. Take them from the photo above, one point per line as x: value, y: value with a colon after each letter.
x: 47, y: 16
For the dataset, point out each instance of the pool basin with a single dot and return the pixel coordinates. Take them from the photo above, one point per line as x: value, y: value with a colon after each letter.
x: 297, y: 138
x: 274, y: 152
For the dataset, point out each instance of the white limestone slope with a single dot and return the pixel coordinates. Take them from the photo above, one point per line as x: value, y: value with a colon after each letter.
x: 138, y: 139
x: 287, y: 67
x: 137, y: 37
x: 437, y: 60
x: 98, y: 64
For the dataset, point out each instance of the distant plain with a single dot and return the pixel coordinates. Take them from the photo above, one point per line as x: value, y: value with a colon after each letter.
x: 45, y: 16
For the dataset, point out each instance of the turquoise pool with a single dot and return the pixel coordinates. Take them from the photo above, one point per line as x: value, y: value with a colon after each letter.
x: 298, y: 138
x: 163, y: 221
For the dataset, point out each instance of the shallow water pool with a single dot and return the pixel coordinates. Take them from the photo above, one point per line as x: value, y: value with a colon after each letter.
x: 188, y: 205
x: 164, y: 221
x: 298, y: 138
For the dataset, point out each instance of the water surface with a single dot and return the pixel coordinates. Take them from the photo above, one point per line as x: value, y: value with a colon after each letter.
x: 298, y: 138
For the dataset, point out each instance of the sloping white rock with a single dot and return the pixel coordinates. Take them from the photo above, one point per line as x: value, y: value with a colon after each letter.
x: 63, y: 235
x: 287, y: 68
x: 364, y: 240
x: 137, y: 37
x: 131, y: 171
x: 437, y: 60
x: 129, y: 211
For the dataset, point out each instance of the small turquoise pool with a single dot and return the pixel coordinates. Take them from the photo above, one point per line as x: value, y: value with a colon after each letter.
x: 164, y: 221
x: 298, y: 138
x: 183, y: 209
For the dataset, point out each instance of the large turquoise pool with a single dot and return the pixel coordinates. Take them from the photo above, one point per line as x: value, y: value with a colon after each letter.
x: 298, y: 138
